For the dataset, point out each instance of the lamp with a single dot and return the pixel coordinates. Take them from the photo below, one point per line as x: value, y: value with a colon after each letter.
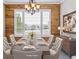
x: 32, y: 7
x: 60, y: 28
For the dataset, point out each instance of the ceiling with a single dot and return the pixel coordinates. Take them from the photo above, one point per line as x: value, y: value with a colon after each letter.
x: 26, y: 1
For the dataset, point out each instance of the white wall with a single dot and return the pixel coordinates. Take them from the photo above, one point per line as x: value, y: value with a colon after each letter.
x: 67, y: 6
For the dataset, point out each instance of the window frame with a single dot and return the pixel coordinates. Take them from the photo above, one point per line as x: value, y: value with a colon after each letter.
x: 23, y: 10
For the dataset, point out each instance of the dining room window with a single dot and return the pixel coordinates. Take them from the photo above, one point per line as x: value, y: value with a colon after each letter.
x: 32, y: 23
x: 40, y: 22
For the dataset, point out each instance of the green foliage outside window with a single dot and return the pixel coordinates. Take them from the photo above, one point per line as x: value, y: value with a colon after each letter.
x: 19, y: 24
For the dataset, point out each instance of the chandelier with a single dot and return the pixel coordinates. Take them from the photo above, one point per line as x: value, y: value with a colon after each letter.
x: 32, y: 7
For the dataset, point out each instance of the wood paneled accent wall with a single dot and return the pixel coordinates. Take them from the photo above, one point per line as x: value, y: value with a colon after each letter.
x: 9, y: 16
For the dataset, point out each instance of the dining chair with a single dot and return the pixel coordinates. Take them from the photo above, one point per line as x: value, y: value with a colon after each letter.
x: 13, y: 41
x: 41, y: 45
x: 50, y: 40
x: 27, y: 54
x: 6, y: 50
x: 48, y: 43
x: 55, y: 50
x: 5, y: 42
x: 5, y: 39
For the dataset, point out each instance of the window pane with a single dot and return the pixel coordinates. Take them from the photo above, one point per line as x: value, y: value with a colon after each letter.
x: 32, y: 22
x: 19, y: 28
x: 46, y: 22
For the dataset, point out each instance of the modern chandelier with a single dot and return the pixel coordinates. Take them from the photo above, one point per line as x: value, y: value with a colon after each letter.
x: 32, y: 7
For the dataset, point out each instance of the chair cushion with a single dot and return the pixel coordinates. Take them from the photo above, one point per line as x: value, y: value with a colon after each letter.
x: 5, y: 46
x: 56, y: 41
x: 42, y: 44
x: 50, y: 46
x: 8, y: 51
x: 52, y: 52
x: 13, y: 40
x: 56, y: 44
x: 20, y: 43
x: 53, y: 47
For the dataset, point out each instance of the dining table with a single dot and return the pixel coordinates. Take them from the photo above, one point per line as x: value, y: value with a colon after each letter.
x: 26, y: 45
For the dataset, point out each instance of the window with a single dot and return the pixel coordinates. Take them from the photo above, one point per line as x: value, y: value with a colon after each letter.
x: 32, y: 22
x: 19, y: 24
x: 46, y: 22
x: 38, y: 23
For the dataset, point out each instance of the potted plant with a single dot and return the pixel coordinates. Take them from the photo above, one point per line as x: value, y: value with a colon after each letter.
x: 31, y: 34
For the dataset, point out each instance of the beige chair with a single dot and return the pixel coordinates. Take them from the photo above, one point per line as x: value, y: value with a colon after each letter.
x: 55, y: 50
x: 50, y: 41
x: 5, y: 39
x: 6, y: 50
x: 44, y: 43
x: 27, y: 54
x: 14, y: 42
x: 5, y: 43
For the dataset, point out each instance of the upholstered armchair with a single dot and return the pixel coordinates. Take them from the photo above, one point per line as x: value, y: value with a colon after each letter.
x: 44, y: 43
x: 55, y: 50
x: 6, y: 49
x: 13, y: 40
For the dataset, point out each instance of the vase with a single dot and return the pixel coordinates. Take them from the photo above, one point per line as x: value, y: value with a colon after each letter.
x: 31, y: 42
